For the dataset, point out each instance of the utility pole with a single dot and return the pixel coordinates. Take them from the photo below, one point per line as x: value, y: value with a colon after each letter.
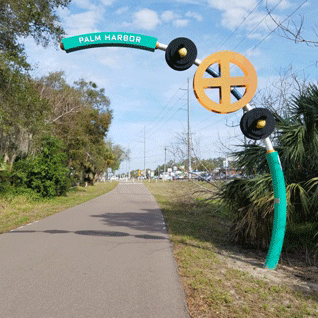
x: 189, y: 141
x: 165, y: 166
x: 128, y: 164
x: 145, y: 150
x: 189, y: 134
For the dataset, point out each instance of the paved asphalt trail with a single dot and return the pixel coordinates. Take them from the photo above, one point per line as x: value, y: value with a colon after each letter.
x: 109, y: 257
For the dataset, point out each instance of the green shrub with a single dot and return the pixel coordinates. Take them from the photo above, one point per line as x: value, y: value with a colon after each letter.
x: 250, y: 203
x: 45, y: 173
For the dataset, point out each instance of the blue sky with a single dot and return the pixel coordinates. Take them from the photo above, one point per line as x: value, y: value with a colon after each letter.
x: 145, y: 92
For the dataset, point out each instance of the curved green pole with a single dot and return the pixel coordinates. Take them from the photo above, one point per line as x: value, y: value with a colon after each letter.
x: 280, y: 209
x: 280, y: 204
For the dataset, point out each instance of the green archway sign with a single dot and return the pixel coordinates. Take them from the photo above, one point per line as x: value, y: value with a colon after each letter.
x: 102, y: 39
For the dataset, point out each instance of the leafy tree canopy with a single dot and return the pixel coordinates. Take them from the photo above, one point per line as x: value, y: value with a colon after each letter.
x: 23, y: 18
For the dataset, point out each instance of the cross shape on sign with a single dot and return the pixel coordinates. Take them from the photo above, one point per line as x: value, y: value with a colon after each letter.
x: 225, y: 82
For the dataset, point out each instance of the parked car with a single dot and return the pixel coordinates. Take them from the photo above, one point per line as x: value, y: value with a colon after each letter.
x: 178, y: 177
x: 205, y: 177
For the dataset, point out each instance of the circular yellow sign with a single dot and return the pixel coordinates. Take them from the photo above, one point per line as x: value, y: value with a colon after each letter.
x: 225, y: 82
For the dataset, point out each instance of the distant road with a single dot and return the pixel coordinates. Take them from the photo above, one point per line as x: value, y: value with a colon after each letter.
x: 109, y: 257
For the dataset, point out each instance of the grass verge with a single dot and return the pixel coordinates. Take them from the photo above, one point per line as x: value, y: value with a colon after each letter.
x: 219, y: 278
x: 18, y: 210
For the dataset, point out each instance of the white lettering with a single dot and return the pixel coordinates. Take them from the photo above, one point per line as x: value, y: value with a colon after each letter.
x: 110, y: 37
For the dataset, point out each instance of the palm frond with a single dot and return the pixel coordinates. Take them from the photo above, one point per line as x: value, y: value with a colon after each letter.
x: 299, y: 198
x: 252, y: 159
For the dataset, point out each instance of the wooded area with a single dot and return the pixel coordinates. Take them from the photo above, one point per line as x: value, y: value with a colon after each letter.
x: 52, y: 133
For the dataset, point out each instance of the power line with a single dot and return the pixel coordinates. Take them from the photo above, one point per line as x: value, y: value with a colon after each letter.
x: 257, y: 25
x: 217, y: 122
x: 155, y: 131
x: 166, y: 113
x: 163, y: 108
x: 250, y: 50
x: 299, y: 70
x: 239, y: 25
x: 153, y: 121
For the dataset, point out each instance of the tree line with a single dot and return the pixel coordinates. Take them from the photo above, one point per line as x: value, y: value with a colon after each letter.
x: 52, y: 133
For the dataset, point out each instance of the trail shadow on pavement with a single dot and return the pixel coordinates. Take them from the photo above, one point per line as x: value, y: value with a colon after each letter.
x: 93, y: 233
x: 149, y: 221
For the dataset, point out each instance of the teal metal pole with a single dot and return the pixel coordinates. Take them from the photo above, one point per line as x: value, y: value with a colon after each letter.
x: 280, y: 210
x: 280, y: 204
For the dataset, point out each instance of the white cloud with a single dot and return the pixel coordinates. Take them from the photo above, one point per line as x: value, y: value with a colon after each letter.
x: 181, y: 23
x: 198, y: 2
x: 195, y: 15
x: 127, y: 24
x: 230, y: 4
x: 234, y: 12
x: 232, y: 17
x: 112, y: 62
x: 146, y: 19
x: 253, y: 53
x: 168, y: 16
x: 285, y: 4
x: 122, y: 10
x: 84, y: 4
x: 149, y: 19
x: 85, y: 22
x: 107, y: 2
x: 256, y: 36
x: 63, y: 13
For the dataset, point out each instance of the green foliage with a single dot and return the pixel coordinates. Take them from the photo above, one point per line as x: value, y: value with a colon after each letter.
x: 44, y: 173
x: 4, y: 177
x: 78, y: 114
x: 119, y: 154
x: 80, y: 118
x: 22, y: 113
x: 23, y: 18
x: 250, y: 201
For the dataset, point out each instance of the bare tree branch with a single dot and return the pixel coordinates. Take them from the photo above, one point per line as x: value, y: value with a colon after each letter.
x: 292, y: 30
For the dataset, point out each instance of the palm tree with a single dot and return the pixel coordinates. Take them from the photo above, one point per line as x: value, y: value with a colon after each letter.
x: 251, y: 200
